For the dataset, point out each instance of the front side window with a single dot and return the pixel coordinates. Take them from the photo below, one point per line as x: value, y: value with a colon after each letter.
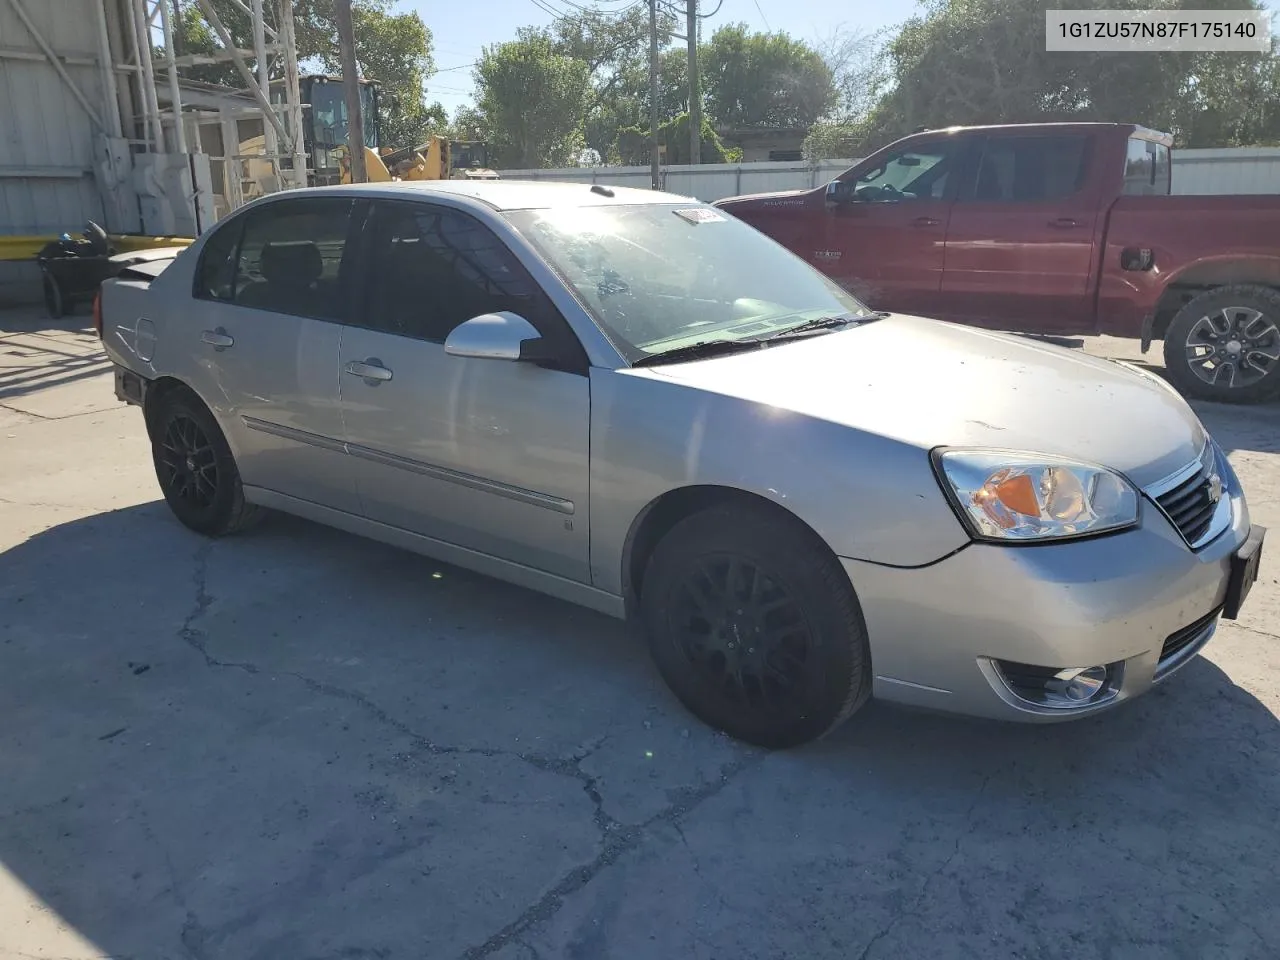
x: 291, y: 257
x: 432, y: 268
x: 920, y: 173
x: 656, y: 277
x: 1030, y: 169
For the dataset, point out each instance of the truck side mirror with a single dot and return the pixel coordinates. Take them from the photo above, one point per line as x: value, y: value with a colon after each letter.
x: 839, y: 192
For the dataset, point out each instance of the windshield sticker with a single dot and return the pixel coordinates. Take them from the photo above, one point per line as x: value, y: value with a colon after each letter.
x: 697, y: 215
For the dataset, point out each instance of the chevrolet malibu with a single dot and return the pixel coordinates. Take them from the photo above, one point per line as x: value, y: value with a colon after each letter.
x: 637, y: 403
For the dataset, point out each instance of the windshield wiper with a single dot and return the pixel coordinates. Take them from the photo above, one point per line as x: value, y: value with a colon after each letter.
x: 825, y: 323
x: 699, y: 351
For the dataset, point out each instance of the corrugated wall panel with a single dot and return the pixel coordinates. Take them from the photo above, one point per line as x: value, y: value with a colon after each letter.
x: 44, y: 126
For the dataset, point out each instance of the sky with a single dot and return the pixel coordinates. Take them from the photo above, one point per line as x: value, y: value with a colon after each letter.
x: 462, y: 28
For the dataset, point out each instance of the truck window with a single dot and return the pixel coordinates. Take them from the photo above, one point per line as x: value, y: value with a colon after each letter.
x: 1146, y: 169
x: 1030, y: 169
x: 920, y: 173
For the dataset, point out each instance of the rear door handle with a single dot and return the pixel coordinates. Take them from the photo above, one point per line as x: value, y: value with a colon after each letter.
x: 371, y: 371
x: 219, y: 339
x: 925, y: 222
x: 1063, y: 223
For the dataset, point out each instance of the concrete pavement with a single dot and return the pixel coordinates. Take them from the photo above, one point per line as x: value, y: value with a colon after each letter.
x: 298, y: 744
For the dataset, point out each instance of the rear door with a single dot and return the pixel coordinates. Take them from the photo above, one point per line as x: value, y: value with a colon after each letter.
x: 885, y: 244
x: 270, y: 292
x: 1021, y: 243
x: 489, y: 455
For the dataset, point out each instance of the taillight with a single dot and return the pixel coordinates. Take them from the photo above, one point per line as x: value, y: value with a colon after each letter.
x: 97, y: 312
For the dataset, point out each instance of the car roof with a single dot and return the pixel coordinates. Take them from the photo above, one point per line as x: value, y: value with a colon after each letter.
x: 509, y: 194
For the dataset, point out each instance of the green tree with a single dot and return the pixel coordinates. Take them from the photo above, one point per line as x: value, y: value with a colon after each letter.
x: 764, y: 80
x: 970, y: 61
x: 533, y: 98
x: 633, y: 143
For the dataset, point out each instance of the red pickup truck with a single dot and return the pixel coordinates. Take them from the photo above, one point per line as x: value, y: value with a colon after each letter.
x: 1054, y: 228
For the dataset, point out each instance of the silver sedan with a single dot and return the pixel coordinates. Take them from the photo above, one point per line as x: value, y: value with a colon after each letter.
x: 634, y: 402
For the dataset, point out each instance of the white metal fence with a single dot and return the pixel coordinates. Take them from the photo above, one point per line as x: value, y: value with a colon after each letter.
x: 1233, y: 170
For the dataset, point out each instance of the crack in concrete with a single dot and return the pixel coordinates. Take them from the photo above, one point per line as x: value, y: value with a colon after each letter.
x: 616, y: 838
x: 966, y: 829
x: 192, y: 635
x: 193, y: 934
x: 619, y: 840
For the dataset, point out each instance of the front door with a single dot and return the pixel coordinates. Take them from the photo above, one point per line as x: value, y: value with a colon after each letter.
x: 269, y: 292
x: 1021, y: 244
x: 885, y: 242
x: 490, y: 455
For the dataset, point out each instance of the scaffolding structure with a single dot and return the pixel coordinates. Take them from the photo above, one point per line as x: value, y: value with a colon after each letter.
x: 282, y: 122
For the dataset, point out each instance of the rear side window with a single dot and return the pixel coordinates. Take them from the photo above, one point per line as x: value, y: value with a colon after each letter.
x: 216, y: 275
x: 1030, y: 169
x: 291, y: 258
x: 1146, y: 169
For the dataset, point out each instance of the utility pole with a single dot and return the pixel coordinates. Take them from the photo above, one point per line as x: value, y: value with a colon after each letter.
x: 351, y: 87
x: 695, y: 86
x: 653, y: 94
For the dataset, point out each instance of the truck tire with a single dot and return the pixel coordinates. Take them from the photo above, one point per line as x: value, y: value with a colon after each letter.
x: 1224, y: 345
x: 755, y: 627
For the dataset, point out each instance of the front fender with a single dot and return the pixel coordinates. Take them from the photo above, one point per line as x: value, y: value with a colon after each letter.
x: 869, y: 497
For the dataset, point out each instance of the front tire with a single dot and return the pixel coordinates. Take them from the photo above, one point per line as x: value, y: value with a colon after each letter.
x: 195, y: 468
x: 755, y: 627
x: 1224, y: 345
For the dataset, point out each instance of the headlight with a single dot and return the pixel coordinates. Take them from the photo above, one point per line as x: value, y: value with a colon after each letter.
x: 1026, y: 496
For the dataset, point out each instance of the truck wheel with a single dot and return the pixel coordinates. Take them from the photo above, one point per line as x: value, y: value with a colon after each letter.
x: 755, y: 627
x: 1224, y: 345
x: 196, y: 470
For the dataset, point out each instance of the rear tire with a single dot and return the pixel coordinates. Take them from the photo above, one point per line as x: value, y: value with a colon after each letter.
x: 755, y: 627
x: 54, y: 302
x: 1224, y: 345
x: 195, y: 468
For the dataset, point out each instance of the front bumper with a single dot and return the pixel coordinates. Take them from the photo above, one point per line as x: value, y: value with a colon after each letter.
x: 937, y: 632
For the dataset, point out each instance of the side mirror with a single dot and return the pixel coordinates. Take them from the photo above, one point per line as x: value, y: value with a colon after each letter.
x: 840, y: 192
x: 496, y: 336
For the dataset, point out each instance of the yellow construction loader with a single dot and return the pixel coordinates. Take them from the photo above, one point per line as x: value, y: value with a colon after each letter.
x: 437, y: 159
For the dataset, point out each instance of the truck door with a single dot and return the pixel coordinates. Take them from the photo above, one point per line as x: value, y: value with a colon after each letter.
x: 887, y: 225
x: 1021, y: 240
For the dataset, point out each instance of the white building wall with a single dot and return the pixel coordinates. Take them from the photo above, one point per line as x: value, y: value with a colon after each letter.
x: 1237, y: 170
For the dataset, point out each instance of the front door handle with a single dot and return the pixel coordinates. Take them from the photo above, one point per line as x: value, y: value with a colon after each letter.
x: 219, y: 339
x: 1064, y: 223
x: 925, y: 222
x: 371, y: 371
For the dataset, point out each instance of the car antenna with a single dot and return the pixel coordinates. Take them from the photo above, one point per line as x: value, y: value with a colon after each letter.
x: 601, y: 189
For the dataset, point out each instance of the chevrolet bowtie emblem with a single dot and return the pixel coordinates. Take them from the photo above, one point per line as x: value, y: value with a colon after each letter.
x: 1215, y: 487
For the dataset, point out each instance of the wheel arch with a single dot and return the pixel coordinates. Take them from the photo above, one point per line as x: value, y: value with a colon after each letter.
x: 662, y: 513
x: 157, y: 391
x: 1203, y: 275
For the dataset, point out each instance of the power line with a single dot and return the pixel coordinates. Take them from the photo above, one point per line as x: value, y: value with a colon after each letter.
x: 762, y: 16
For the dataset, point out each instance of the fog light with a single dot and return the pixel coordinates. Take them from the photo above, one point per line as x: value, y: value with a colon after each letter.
x: 1078, y: 684
x: 1061, y: 688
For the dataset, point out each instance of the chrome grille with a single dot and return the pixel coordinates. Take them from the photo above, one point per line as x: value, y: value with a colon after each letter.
x: 1195, y: 499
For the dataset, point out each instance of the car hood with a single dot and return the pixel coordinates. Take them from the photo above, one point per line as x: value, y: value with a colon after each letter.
x: 930, y: 384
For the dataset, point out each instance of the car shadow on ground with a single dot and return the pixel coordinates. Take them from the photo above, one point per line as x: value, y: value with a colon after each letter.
x: 298, y: 743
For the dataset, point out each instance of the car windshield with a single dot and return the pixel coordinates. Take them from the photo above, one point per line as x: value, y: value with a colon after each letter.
x: 659, y: 277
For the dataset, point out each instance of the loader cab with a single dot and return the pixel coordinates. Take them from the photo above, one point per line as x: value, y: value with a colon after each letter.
x: 324, y: 123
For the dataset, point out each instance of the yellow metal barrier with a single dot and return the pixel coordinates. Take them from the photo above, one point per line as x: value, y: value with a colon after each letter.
x: 26, y: 248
